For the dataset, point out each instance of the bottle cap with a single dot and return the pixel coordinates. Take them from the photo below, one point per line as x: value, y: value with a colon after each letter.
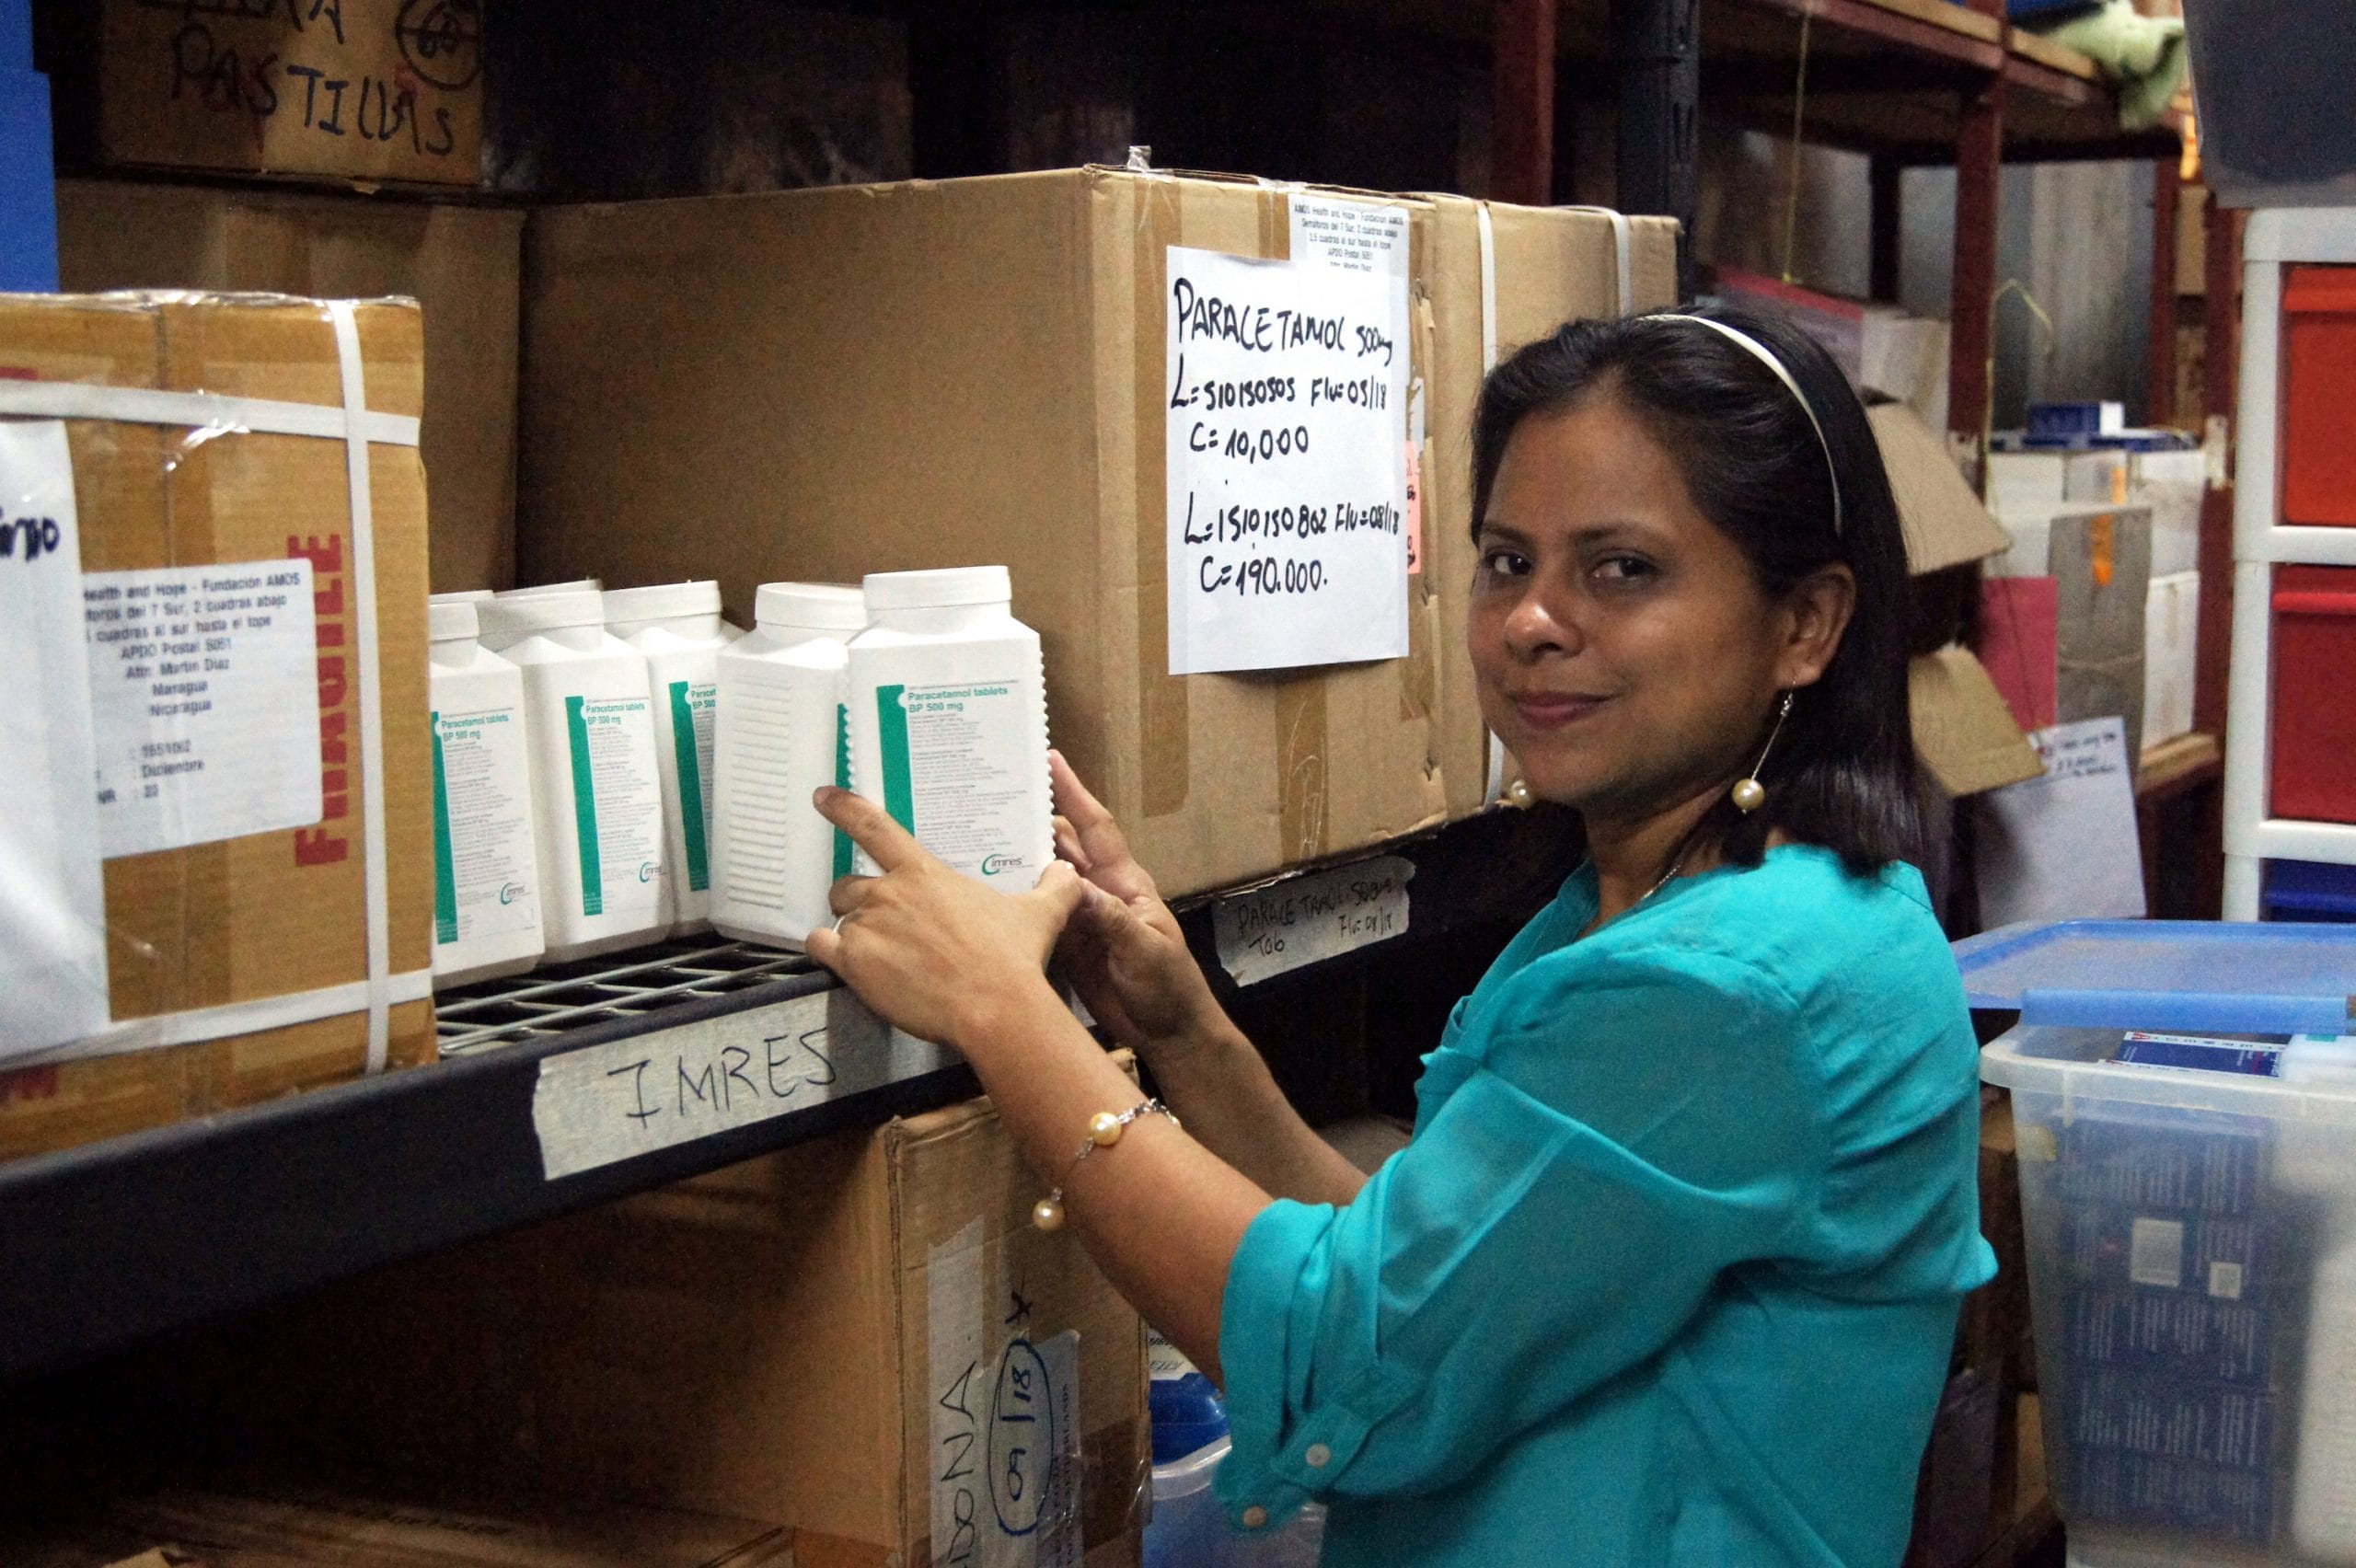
x: 813, y: 606
x: 449, y: 621
x: 938, y: 590
x: 662, y: 602
x: 594, y: 584
x: 505, y: 622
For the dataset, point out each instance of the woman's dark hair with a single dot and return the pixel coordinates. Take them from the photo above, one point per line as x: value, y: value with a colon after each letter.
x: 1843, y: 773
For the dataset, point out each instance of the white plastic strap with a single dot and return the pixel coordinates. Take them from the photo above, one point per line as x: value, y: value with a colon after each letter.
x: 202, y: 410
x: 194, y: 1024
x: 1624, y: 253
x: 372, y: 696
x: 1488, y: 290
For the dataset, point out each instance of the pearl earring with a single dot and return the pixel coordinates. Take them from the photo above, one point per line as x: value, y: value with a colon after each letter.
x: 1749, y: 793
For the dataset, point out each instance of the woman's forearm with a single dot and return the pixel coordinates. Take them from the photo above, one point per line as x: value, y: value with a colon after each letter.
x: 1217, y: 1083
x: 1160, y: 1213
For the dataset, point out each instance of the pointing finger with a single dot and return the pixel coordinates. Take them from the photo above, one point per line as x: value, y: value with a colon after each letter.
x: 888, y: 844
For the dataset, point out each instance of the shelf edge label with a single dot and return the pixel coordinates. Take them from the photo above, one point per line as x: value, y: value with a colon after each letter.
x: 605, y: 1103
x: 1304, y: 919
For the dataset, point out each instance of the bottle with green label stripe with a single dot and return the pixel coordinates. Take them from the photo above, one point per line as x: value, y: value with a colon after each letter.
x: 782, y: 736
x: 486, y: 866
x: 948, y: 710
x: 596, y: 774
x: 676, y: 627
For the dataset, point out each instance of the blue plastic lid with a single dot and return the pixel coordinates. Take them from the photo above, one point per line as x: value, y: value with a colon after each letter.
x: 1187, y: 1416
x: 2186, y: 977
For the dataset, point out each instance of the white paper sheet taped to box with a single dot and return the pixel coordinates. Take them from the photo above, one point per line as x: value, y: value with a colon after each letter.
x: 1006, y: 1439
x: 52, y: 898
x: 1286, y: 440
x: 205, y: 690
x: 1305, y: 919
x: 604, y: 1103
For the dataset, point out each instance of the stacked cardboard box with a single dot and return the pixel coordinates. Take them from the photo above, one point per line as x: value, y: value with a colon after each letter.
x: 239, y: 961
x: 463, y: 265
x: 821, y: 384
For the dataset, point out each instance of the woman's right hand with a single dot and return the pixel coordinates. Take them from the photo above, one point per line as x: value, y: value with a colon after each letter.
x: 1122, y: 946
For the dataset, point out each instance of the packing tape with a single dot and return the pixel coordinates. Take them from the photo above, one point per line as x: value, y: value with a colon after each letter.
x: 204, y: 410
x: 192, y: 1025
x: 1495, y: 787
x: 1624, y: 253
x: 371, y: 682
x: 357, y: 426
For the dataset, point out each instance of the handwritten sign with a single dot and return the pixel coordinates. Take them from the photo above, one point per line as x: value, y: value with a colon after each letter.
x: 52, y: 904
x: 1305, y: 919
x: 625, y: 1097
x: 2064, y: 847
x: 363, y: 88
x: 1285, y: 445
x: 1006, y: 1439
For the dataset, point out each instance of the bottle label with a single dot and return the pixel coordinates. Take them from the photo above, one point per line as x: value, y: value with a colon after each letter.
x: 483, y: 870
x: 694, y: 705
x: 617, y: 803
x: 957, y: 775
x: 846, y: 852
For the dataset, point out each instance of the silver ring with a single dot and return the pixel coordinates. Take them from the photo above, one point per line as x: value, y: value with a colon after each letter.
x: 836, y: 926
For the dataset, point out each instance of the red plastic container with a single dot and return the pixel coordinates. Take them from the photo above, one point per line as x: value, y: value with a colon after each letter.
x: 2319, y: 396
x: 2314, y: 693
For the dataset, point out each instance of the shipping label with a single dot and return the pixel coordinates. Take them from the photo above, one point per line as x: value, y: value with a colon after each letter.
x: 205, y: 692
x: 485, y: 879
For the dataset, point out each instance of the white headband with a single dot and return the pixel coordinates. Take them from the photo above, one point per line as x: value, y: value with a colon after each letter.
x: 1766, y: 356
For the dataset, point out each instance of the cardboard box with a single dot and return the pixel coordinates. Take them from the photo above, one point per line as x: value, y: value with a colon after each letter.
x: 263, y: 915
x: 1551, y: 266
x: 282, y: 1527
x: 362, y: 89
x: 821, y: 384
x: 1883, y: 348
x: 462, y: 264
x: 2025, y: 489
x: 818, y: 1337
x: 2171, y: 639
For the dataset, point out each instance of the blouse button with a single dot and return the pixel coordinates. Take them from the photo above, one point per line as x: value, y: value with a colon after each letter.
x: 1319, y: 1456
x: 1255, y: 1517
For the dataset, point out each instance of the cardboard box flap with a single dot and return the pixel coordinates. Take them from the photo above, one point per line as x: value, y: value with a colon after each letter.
x: 1945, y: 525
x: 1963, y: 731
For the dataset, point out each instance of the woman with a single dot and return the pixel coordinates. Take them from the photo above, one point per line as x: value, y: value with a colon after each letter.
x: 1670, y: 1271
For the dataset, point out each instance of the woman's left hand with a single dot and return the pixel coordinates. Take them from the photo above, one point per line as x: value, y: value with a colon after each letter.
x: 931, y: 951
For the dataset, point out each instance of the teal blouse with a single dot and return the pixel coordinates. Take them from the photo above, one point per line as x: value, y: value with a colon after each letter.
x: 1669, y: 1274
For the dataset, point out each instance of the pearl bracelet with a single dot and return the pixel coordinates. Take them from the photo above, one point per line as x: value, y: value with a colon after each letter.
x: 1104, y: 1130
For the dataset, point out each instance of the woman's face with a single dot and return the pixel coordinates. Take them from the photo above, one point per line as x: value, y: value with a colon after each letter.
x: 1623, y: 649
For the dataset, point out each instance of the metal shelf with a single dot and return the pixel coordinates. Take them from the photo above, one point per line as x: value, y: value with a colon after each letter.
x: 117, y: 1240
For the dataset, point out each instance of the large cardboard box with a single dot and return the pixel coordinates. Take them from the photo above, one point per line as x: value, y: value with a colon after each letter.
x: 1548, y: 266
x: 463, y: 265
x: 826, y: 383
x: 845, y: 1337
x: 251, y: 949
x: 285, y: 1525
x: 359, y: 89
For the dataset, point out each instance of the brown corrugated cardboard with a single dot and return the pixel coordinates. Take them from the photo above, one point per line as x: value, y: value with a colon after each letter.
x: 283, y: 1527
x: 462, y: 264
x: 815, y: 1337
x: 1551, y: 266
x: 266, y: 915
x: 1945, y: 523
x: 362, y: 89
x: 1963, y: 731
x: 822, y: 384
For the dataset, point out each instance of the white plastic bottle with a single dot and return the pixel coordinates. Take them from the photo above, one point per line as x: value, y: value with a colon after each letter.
x: 948, y: 722
x: 594, y: 584
x: 677, y: 626
x: 461, y: 596
x: 596, y: 781
x: 486, y: 865
x: 782, y: 691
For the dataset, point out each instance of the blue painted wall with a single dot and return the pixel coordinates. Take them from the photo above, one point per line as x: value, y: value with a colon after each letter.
x: 28, y: 180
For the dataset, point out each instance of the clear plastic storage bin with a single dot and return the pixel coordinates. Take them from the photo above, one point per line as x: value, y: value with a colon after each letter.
x: 2191, y: 1238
